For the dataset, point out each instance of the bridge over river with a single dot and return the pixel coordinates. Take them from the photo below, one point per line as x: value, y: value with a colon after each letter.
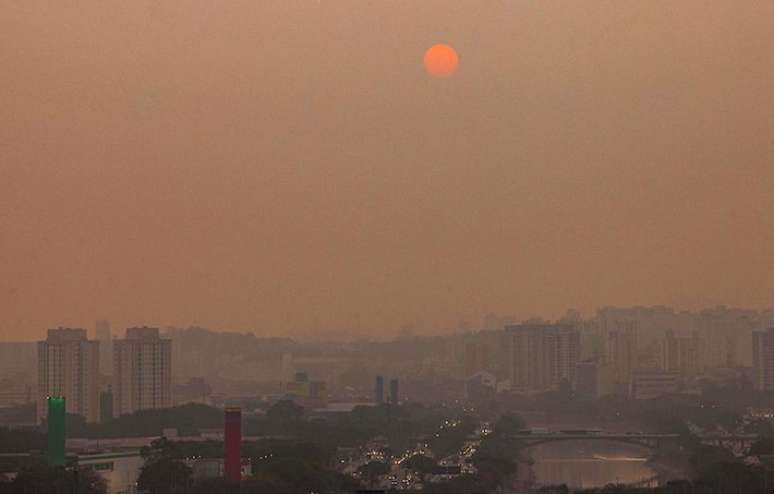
x: 648, y: 440
x: 645, y: 439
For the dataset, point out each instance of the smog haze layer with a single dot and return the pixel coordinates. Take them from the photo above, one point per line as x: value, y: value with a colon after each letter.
x: 287, y: 166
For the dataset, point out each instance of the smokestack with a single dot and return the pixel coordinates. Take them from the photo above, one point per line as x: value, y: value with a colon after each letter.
x: 56, y: 431
x: 232, y: 455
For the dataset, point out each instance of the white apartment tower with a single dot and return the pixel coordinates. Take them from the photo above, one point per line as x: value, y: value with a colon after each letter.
x: 68, y: 365
x: 142, y: 371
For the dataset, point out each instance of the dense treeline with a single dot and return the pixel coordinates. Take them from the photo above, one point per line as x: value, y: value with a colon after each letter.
x: 21, y: 440
x: 284, y: 419
x: 278, y: 466
x: 40, y: 478
x: 288, y: 466
x: 187, y: 419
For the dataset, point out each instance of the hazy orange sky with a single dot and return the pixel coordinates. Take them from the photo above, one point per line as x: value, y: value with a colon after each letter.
x: 283, y: 166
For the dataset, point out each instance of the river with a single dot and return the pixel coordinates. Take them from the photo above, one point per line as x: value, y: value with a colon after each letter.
x: 588, y: 464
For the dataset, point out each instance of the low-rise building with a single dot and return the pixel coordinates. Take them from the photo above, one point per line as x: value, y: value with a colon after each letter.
x: 652, y: 383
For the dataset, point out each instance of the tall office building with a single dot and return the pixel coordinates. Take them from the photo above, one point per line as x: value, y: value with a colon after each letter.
x: 763, y: 359
x: 142, y: 371
x: 543, y: 356
x: 68, y: 366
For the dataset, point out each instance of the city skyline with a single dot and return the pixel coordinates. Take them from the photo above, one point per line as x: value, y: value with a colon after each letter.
x: 484, y: 322
x: 639, y: 352
x: 640, y: 376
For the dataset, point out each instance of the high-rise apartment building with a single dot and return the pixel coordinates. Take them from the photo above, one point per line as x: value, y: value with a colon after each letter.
x: 670, y: 352
x: 106, y: 405
x: 679, y: 354
x: 621, y: 351
x: 543, y: 356
x: 721, y: 330
x: 68, y: 366
x: 105, y: 338
x: 763, y: 359
x: 142, y: 371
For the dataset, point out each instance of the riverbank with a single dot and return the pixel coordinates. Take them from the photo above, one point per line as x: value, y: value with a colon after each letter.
x: 670, y: 467
x: 524, y: 479
x: 590, y: 464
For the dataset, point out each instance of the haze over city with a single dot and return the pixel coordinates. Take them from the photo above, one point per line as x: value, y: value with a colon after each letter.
x: 371, y: 247
x: 291, y: 168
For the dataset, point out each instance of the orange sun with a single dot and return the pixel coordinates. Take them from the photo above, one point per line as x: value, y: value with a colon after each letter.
x: 441, y: 60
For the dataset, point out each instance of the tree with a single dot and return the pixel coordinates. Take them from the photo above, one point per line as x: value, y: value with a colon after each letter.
x: 420, y: 463
x: 215, y: 485
x: 509, y: 425
x: 285, y: 411
x: 21, y: 441
x: 165, y: 476
x: 293, y: 475
x: 76, y: 425
x: 705, y: 458
x: 42, y: 478
x: 763, y: 446
x: 465, y: 484
x: 732, y: 477
x: 372, y: 470
x: 161, y: 447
